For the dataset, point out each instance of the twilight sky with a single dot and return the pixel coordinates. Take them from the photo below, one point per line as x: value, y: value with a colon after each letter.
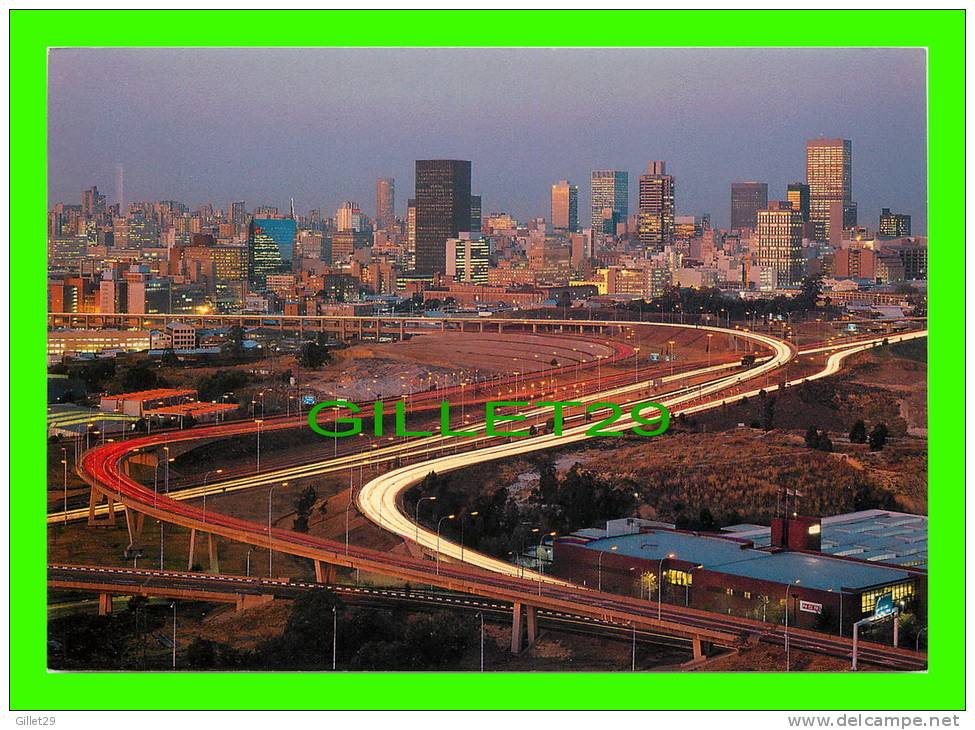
x: 262, y: 125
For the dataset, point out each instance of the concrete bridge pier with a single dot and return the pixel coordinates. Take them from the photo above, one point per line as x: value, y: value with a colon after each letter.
x: 212, y: 556
x: 104, y: 604
x: 324, y: 573
x: 134, y: 522
x: 94, y: 499
x: 519, y: 627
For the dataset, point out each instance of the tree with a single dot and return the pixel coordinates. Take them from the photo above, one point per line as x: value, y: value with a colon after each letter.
x: 235, y: 337
x: 141, y: 377
x: 878, y: 437
x: 858, y: 434
x: 768, y: 413
x: 313, y: 356
x: 812, y: 437
x: 303, y: 506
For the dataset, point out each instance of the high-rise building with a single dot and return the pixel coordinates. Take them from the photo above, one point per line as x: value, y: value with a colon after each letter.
x: 829, y: 174
x: 270, y: 244
x: 894, y: 225
x: 655, y: 221
x: 779, y: 234
x: 229, y: 275
x: 475, y: 214
x: 92, y: 202
x: 348, y: 217
x: 443, y: 209
x: 747, y: 198
x: 609, y: 189
x: 565, y: 206
x: 797, y: 193
x: 385, y: 202
x: 468, y: 258
x: 411, y: 234
x: 238, y: 214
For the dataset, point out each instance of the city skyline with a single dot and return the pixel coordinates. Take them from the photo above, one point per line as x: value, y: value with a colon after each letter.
x: 524, y: 137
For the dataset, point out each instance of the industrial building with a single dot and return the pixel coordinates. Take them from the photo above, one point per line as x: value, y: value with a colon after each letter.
x: 785, y: 568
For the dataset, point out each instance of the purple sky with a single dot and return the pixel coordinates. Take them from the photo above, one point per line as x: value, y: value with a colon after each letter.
x: 262, y: 125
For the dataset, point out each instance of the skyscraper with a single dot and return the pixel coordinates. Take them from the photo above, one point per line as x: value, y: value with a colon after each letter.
x: 829, y: 174
x: 385, y: 202
x: 238, y: 214
x: 894, y: 225
x: 411, y: 234
x: 655, y: 221
x: 270, y: 244
x: 565, y: 206
x: 443, y: 209
x: 779, y: 233
x: 797, y: 193
x: 475, y: 214
x: 610, y: 190
x: 747, y: 198
x: 348, y: 217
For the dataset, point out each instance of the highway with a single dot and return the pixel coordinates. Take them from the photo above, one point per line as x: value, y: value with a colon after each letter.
x: 103, y: 467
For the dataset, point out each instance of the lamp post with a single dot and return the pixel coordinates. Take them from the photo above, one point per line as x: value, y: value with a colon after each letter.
x: 348, y: 505
x: 636, y: 364
x: 248, y: 569
x: 538, y: 556
x: 416, y: 517
x: 212, y: 471
x: 174, y: 635
x: 270, y: 547
x: 258, y: 421
x: 440, y: 522
x: 166, y: 471
x: 481, y: 614
x: 64, y: 463
x: 475, y: 513
x: 660, y: 584
x: 599, y: 567
x: 687, y: 585
x: 709, y: 348
x: 796, y: 582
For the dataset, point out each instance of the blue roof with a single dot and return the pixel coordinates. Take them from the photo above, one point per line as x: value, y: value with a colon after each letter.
x: 734, y: 557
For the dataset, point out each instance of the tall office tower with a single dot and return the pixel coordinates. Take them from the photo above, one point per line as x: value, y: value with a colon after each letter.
x: 565, y: 207
x: 655, y: 221
x: 797, y: 193
x: 385, y: 202
x: 829, y: 174
x: 779, y: 234
x: 270, y: 244
x: 237, y: 212
x: 610, y: 189
x: 92, y: 202
x: 468, y: 258
x: 443, y: 209
x: 475, y: 214
x: 348, y: 217
x: 747, y: 198
x: 230, y: 276
x: 894, y: 225
x: 411, y: 234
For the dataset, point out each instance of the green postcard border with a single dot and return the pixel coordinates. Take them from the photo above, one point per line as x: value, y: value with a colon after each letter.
x: 33, y: 31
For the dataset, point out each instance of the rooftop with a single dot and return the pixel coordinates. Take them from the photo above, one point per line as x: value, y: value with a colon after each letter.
x: 873, y: 535
x: 733, y: 555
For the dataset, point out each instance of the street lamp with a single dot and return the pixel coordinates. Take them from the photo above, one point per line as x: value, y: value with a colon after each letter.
x: 796, y: 582
x: 660, y: 583
x: 258, y: 421
x: 212, y: 471
x: 538, y: 556
x: 599, y: 567
x: 440, y: 522
x: 475, y: 513
x: 710, y: 335
x: 636, y: 364
x: 270, y: 548
x: 174, y: 635
x: 64, y: 462
x: 416, y: 517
